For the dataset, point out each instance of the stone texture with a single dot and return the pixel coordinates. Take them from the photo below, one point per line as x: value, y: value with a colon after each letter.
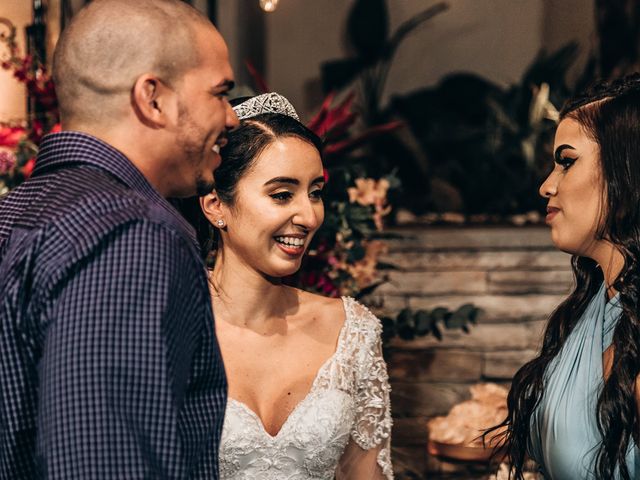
x: 435, y: 283
x: 495, y: 308
x: 482, y: 337
x: 386, y: 304
x: 435, y: 365
x: 409, y: 462
x: 415, y: 399
x: 410, y: 431
x: 504, y: 365
x: 442, y: 468
x: 536, y: 259
x: 433, y: 238
x: 514, y: 275
x: 528, y: 282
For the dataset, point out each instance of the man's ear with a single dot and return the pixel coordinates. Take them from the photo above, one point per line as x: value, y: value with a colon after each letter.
x: 152, y: 100
x: 213, y: 209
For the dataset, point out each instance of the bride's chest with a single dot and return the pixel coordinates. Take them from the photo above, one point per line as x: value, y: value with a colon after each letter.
x: 311, y: 440
x: 272, y: 380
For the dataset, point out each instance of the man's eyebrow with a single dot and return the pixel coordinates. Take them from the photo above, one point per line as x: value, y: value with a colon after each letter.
x: 289, y: 180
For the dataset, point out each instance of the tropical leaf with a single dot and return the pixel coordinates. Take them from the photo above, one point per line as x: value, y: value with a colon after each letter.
x: 410, y: 25
x: 337, y: 74
x: 368, y: 29
x: 551, y: 68
x: 336, y: 121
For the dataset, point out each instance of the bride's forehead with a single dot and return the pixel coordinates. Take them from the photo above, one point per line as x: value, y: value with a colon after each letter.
x: 291, y: 157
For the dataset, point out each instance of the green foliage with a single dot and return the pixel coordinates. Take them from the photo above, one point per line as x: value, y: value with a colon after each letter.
x: 410, y: 324
x: 477, y: 147
x: 487, y: 147
x: 368, y: 35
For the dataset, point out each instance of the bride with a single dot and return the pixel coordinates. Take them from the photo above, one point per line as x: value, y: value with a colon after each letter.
x: 308, y: 387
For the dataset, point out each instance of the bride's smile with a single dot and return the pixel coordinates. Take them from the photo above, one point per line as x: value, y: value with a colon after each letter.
x: 276, y: 210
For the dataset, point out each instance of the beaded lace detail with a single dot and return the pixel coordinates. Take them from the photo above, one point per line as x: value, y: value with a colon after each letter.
x: 349, y: 398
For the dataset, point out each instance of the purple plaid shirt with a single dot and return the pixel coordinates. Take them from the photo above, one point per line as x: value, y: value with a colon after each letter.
x: 109, y: 364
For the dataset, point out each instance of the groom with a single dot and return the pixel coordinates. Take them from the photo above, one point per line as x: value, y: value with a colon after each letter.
x: 109, y: 364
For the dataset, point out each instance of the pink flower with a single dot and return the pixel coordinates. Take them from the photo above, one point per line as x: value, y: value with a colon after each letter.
x: 371, y: 192
x: 368, y: 191
x: 7, y: 161
x: 365, y: 271
x: 326, y: 286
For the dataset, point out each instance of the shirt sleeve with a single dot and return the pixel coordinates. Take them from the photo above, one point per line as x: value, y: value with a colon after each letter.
x: 124, y: 326
x: 372, y: 426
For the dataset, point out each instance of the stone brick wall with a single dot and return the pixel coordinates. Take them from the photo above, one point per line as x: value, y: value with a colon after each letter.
x: 514, y: 274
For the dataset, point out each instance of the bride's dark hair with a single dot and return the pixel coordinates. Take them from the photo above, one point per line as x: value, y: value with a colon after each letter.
x: 609, y: 113
x: 245, y: 144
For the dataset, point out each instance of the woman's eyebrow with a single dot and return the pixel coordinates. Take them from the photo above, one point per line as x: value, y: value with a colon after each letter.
x: 289, y: 180
x: 557, y: 155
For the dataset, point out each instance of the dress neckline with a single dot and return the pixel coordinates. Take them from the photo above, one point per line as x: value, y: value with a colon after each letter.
x: 323, y: 367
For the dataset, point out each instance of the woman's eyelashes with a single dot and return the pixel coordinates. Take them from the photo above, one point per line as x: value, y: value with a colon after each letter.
x: 285, y: 195
x: 316, y: 194
x: 565, y: 162
x: 281, y: 197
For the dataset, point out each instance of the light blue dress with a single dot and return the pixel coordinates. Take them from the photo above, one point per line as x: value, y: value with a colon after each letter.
x: 564, y: 432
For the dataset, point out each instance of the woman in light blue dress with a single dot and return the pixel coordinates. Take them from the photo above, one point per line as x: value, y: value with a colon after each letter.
x: 574, y: 408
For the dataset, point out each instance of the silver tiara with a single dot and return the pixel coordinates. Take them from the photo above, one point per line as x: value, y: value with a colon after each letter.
x: 271, y: 102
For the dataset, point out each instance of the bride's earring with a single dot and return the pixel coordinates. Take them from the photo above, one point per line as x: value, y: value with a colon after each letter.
x: 220, y: 223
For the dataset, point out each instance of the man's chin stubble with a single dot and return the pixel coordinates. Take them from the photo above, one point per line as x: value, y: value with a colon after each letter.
x: 203, y: 187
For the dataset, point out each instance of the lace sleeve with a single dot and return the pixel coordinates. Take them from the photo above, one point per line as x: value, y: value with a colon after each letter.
x: 372, y: 425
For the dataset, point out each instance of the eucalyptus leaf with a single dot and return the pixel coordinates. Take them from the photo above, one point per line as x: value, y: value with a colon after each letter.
x: 469, y: 311
x: 423, y: 322
x: 440, y: 314
x: 436, y: 331
x: 455, y: 321
x: 405, y: 325
x: 388, y: 328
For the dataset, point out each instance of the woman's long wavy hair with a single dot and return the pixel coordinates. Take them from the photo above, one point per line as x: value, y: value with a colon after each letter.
x: 609, y: 113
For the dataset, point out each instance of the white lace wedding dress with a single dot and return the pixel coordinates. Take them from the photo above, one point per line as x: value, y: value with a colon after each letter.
x: 349, y: 398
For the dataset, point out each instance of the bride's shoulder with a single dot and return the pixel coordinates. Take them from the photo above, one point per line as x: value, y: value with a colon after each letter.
x: 345, y: 310
x: 325, y: 313
x: 320, y: 305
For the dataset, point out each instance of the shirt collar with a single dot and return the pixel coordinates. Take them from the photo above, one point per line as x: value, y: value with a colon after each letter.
x: 71, y: 148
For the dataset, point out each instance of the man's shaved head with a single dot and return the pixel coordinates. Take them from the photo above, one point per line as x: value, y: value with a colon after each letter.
x: 110, y: 43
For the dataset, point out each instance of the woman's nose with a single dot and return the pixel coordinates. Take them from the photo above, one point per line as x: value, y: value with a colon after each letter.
x: 549, y: 187
x: 306, y: 215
